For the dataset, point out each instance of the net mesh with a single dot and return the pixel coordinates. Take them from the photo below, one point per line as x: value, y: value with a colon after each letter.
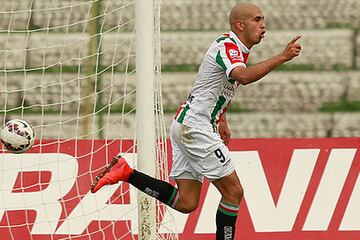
x: 68, y: 68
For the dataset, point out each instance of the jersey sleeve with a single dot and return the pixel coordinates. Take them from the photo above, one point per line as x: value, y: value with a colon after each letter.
x: 229, y: 56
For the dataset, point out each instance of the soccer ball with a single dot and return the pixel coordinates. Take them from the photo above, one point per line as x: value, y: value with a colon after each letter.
x: 17, y: 136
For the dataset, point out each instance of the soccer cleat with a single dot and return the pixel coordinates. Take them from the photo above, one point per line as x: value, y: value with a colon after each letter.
x: 118, y: 170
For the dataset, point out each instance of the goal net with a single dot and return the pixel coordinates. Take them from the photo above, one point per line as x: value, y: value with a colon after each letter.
x: 68, y: 68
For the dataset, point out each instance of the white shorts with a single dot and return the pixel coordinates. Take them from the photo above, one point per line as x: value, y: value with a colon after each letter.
x: 198, y: 153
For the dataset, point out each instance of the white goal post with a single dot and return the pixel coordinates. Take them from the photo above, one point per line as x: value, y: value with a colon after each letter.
x: 145, y: 117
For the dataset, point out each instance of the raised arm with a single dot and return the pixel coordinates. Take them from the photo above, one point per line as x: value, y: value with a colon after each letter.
x: 246, y: 75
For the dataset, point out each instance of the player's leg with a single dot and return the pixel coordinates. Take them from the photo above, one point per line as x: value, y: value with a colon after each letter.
x: 189, y: 182
x: 220, y: 170
x: 189, y: 195
x: 183, y: 198
x: 232, y: 193
x: 204, y: 153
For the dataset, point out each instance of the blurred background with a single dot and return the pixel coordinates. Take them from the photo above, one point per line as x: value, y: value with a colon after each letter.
x: 46, y: 61
x: 315, y: 95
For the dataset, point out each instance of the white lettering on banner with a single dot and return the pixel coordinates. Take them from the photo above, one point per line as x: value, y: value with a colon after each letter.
x: 351, y: 219
x: 64, y: 170
x: 330, y: 187
x: 94, y: 207
x: 173, y: 215
x: 266, y: 215
x: 209, y: 209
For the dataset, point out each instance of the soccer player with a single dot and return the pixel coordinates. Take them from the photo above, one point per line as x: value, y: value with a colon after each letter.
x: 199, y: 132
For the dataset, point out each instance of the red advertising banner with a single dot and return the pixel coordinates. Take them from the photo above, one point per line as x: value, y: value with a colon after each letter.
x: 294, y: 189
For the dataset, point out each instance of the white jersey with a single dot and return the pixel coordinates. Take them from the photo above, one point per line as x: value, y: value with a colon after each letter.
x: 214, y: 88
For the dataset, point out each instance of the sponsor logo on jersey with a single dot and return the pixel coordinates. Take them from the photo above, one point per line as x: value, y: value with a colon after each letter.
x: 233, y: 52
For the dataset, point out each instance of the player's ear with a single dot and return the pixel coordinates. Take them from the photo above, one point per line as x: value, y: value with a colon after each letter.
x: 240, y: 25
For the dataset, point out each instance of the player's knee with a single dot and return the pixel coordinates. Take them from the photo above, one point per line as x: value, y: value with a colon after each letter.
x: 239, y: 193
x: 187, y: 209
x: 235, y: 195
x: 188, y: 206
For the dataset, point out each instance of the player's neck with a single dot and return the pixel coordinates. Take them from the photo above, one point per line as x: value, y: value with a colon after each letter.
x: 243, y: 39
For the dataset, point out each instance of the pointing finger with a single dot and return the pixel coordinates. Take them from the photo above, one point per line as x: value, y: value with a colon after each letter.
x: 295, y: 39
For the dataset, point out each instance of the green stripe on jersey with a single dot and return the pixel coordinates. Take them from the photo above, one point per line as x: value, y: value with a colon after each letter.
x: 233, y: 40
x: 220, y: 61
x: 182, y: 115
x: 217, y: 108
x: 222, y: 38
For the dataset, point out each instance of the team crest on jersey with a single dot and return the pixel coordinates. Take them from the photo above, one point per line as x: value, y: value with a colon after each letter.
x: 233, y: 53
